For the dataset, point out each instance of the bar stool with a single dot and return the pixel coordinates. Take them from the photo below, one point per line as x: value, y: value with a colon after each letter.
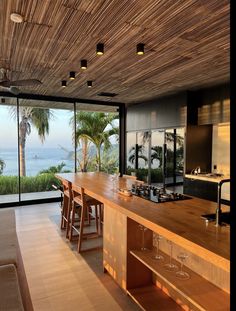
x: 82, y: 207
x: 66, y: 206
x: 59, y: 188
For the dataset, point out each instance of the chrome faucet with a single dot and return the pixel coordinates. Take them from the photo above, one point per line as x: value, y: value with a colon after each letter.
x: 218, y: 209
x: 196, y: 171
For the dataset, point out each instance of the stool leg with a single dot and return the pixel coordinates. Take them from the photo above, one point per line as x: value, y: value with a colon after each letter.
x: 81, y: 229
x: 88, y: 215
x: 96, y: 218
x: 64, y: 211
x: 72, y: 222
x: 100, y: 218
x: 68, y: 217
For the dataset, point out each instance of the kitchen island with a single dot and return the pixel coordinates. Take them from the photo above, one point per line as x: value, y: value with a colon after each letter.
x: 180, y: 222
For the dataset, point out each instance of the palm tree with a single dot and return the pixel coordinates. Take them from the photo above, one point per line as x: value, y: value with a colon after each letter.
x: 55, y: 169
x: 29, y: 116
x: 2, y: 165
x: 96, y: 127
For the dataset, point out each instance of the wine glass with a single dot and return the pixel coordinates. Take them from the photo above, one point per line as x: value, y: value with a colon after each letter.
x: 143, y: 229
x: 182, y: 274
x: 157, y: 238
x: 170, y: 266
x: 114, y: 178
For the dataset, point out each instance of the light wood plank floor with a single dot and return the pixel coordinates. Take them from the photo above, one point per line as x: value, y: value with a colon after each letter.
x: 59, y: 278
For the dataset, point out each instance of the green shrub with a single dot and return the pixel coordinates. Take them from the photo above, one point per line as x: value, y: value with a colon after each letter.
x: 42, y: 182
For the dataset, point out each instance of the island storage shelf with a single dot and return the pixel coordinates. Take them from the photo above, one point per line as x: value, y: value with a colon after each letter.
x: 179, y: 222
x: 195, y: 293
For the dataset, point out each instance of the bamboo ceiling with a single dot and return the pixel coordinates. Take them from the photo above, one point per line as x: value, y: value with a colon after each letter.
x: 186, y: 46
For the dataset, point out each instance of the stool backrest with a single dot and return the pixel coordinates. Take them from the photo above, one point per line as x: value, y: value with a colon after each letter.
x: 78, y: 194
x: 67, y: 186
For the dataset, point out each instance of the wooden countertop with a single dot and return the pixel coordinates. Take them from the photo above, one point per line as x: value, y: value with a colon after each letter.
x: 178, y: 221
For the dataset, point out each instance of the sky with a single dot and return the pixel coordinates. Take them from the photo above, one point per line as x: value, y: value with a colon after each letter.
x: 60, y: 132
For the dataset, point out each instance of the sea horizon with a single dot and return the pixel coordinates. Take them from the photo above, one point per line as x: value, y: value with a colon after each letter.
x: 37, y: 159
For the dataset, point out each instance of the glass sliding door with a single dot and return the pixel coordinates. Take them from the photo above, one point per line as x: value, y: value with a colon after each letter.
x: 170, y: 156
x: 179, y: 168
x: 174, y: 139
x: 9, y: 181
x: 157, y: 156
x: 143, y: 155
x: 45, y: 147
x: 131, y: 153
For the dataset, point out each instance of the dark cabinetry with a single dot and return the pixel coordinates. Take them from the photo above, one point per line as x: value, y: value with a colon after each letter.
x: 198, y: 148
x: 200, y: 188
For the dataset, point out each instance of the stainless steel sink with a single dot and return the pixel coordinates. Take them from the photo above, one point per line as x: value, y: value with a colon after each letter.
x: 225, y: 217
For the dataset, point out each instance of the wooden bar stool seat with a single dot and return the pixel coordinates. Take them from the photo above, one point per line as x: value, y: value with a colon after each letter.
x: 82, y: 207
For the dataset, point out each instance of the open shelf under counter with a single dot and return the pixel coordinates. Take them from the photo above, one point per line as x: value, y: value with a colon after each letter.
x: 199, y: 293
x: 151, y: 298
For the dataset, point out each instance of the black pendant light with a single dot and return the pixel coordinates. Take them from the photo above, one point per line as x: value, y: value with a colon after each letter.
x: 90, y: 83
x: 72, y: 75
x: 100, y: 49
x: 140, y: 49
x: 63, y: 83
x: 83, y: 64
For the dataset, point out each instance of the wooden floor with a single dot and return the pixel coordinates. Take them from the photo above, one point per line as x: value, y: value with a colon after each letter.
x: 58, y: 277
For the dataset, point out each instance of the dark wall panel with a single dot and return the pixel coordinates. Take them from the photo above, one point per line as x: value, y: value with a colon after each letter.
x: 162, y: 113
x: 198, y: 148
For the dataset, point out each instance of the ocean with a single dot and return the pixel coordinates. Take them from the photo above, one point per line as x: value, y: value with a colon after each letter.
x: 37, y: 159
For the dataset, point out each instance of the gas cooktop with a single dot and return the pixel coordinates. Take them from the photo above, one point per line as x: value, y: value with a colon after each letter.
x: 157, y: 195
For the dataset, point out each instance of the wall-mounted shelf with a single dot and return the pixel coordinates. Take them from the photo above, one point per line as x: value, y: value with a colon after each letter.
x: 197, y: 292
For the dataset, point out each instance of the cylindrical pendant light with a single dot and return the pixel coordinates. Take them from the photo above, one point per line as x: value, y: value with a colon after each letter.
x: 72, y: 75
x: 63, y: 83
x: 100, y: 49
x: 83, y: 64
x: 90, y: 83
x: 140, y: 49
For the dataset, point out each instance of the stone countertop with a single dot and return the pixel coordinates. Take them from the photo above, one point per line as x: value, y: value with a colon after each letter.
x: 208, y: 177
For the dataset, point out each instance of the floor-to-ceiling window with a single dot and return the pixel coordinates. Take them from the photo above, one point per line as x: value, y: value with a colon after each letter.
x: 40, y: 138
x: 45, y: 146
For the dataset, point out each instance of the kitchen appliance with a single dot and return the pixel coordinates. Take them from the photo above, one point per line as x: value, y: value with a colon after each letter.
x: 155, y: 194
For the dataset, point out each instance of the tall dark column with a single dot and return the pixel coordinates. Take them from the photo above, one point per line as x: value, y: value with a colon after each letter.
x: 122, y: 139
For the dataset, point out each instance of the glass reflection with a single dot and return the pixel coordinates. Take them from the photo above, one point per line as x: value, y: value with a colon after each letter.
x: 157, y: 143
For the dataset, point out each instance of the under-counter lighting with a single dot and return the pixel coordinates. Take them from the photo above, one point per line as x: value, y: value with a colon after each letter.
x: 100, y: 49
x: 89, y: 83
x: 83, y: 64
x: 140, y: 49
x: 63, y: 83
x: 72, y: 75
